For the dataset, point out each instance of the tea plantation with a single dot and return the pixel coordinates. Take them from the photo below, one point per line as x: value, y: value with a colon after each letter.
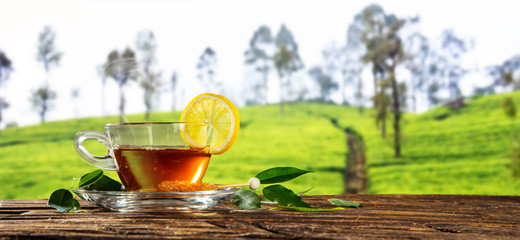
x: 444, y: 151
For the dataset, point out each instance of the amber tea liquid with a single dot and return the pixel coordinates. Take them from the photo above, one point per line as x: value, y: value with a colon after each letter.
x: 142, y: 169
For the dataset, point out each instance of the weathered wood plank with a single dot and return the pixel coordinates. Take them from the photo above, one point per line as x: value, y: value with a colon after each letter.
x: 381, y: 216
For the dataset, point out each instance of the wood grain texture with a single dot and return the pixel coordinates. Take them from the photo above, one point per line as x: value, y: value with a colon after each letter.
x: 380, y: 216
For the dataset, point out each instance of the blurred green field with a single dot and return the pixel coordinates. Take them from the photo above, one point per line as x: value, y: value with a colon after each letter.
x: 464, y: 153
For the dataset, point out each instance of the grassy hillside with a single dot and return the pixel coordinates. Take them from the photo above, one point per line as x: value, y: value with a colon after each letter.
x: 464, y: 153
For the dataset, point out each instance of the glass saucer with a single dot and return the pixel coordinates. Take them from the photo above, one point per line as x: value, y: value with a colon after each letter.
x: 157, y: 201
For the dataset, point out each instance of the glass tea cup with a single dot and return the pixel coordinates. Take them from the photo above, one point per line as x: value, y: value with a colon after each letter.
x: 146, y: 154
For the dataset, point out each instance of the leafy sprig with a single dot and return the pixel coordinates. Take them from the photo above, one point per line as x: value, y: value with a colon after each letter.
x: 63, y: 199
x: 277, y: 193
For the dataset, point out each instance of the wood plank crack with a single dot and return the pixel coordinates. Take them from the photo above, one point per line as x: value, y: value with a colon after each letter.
x: 219, y: 225
x: 266, y: 228
x: 444, y: 229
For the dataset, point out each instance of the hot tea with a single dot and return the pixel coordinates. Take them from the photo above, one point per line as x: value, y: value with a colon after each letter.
x: 143, y: 169
x: 149, y: 153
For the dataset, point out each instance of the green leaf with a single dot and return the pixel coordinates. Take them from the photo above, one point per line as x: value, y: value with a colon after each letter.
x: 90, y: 178
x: 62, y: 200
x: 105, y: 183
x: 305, y: 209
x: 246, y: 199
x: 304, y: 192
x: 344, y: 203
x: 279, y: 174
x: 76, y: 207
x: 280, y: 194
x: 267, y: 201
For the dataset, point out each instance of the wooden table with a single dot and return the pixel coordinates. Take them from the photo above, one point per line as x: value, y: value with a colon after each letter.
x: 380, y: 216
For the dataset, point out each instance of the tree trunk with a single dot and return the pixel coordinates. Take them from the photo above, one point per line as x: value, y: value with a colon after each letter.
x: 343, y: 87
x: 47, y: 93
x: 148, y: 104
x: 103, y: 111
x: 414, y: 97
x: 383, y: 127
x: 121, y: 103
x: 281, y: 95
x: 374, y: 74
x: 265, y: 72
x: 384, y: 109
x: 397, y: 112
x: 1, y: 108
x: 359, y: 94
x: 173, y: 101
x: 44, y: 109
x: 451, y: 87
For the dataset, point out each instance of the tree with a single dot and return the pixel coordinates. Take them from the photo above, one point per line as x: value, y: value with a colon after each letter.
x: 509, y: 108
x: 434, y: 75
x: 353, y: 63
x: 41, y: 101
x: 508, y: 105
x: 286, y: 60
x: 505, y: 74
x: 385, y: 52
x: 452, y: 49
x: 74, y: 94
x: 49, y: 56
x: 325, y: 83
x: 5, y: 70
x: 371, y: 26
x: 5, y: 67
x: 382, y: 102
x: 332, y: 64
x: 149, y: 77
x: 101, y: 73
x: 433, y: 89
x: 259, y: 56
x: 372, y: 23
x: 417, y: 51
x: 368, y: 27
x: 206, y: 66
x: 121, y: 67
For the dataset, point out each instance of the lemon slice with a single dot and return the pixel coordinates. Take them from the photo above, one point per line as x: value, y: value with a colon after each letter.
x: 219, y: 120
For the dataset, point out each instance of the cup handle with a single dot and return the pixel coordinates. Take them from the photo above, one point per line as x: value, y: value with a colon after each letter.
x: 106, y: 162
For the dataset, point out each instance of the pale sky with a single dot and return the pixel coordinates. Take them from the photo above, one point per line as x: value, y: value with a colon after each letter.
x: 86, y: 31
